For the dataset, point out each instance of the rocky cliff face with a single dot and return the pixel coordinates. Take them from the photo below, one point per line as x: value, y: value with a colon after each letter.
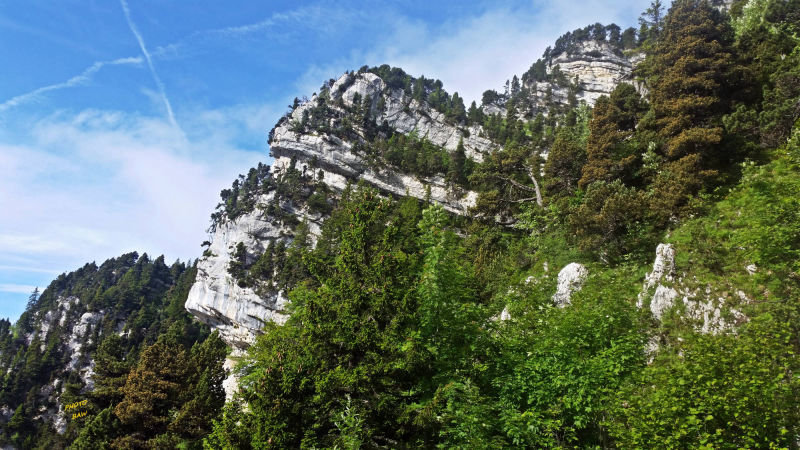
x: 339, y: 162
x: 325, y: 137
x: 77, y: 328
x: 334, y: 159
x: 598, y: 68
x: 590, y: 70
x: 216, y: 298
x: 51, y: 356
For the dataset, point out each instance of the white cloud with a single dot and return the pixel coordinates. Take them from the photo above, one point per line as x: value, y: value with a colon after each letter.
x: 81, y: 78
x: 473, y: 53
x: 95, y: 184
x: 16, y: 288
x: 10, y: 268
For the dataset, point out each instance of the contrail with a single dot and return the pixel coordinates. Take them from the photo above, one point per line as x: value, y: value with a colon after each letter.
x: 76, y: 80
x: 146, y: 54
x: 86, y: 75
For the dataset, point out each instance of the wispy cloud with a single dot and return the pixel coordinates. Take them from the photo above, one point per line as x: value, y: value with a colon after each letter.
x: 29, y: 269
x: 250, y: 28
x: 79, y: 79
x: 16, y: 288
x: 146, y: 54
x: 135, y: 183
x: 320, y: 19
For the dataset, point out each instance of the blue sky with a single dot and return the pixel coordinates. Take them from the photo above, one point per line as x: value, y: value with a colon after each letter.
x: 120, y: 121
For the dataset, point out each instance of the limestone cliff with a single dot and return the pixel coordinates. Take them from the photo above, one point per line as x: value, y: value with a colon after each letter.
x: 587, y: 71
x: 327, y: 153
x: 327, y: 139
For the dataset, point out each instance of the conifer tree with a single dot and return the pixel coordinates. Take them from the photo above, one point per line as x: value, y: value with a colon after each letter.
x: 693, y: 68
x: 693, y: 64
x: 652, y: 19
x: 110, y: 371
x: 564, y: 164
x: 613, y: 121
x: 458, y: 159
x: 151, y: 390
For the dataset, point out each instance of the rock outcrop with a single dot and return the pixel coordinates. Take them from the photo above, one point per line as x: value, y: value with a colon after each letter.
x: 338, y: 160
x: 67, y: 316
x: 590, y: 70
x: 663, y: 288
x: 570, y: 280
x: 325, y: 136
x: 239, y: 313
x: 215, y: 298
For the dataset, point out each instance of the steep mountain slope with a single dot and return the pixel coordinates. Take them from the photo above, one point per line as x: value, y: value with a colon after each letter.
x: 320, y: 148
x: 469, y: 277
x: 539, y: 317
x: 330, y: 140
x: 87, y: 329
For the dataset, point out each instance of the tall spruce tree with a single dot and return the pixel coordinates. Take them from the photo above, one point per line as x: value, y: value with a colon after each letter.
x: 613, y: 121
x: 692, y: 67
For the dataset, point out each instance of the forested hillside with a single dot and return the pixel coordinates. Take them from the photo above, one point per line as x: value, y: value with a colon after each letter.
x: 106, y: 355
x: 414, y: 327
x: 606, y: 254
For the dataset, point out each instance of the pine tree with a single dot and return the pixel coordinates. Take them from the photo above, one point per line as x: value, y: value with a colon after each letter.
x: 628, y: 39
x: 474, y: 114
x: 515, y: 86
x: 613, y: 121
x: 564, y: 164
x: 694, y: 63
x: 652, y: 20
x: 455, y: 172
x: 111, y: 371
x: 690, y: 90
x: 152, y: 389
x: 204, y: 398
x: 32, y: 299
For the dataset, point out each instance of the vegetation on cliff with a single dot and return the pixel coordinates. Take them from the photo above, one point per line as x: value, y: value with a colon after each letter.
x: 410, y: 327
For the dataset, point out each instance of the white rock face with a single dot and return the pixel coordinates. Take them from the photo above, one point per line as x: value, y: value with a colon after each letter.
x: 57, y: 314
x: 570, y: 280
x: 598, y: 68
x: 237, y: 313
x: 663, y: 289
x: 240, y: 313
x: 231, y: 382
x: 407, y: 115
x: 663, y: 271
x: 79, y: 336
x: 336, y: 159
